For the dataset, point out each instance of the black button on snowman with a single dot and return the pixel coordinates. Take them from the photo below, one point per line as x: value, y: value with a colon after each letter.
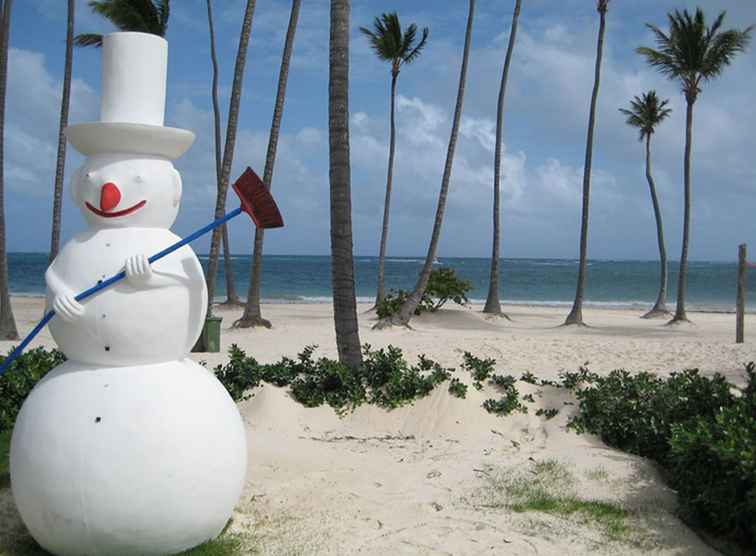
x: 129, y: 447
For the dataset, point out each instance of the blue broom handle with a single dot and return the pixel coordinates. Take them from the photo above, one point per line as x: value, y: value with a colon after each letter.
x: 112, y: 280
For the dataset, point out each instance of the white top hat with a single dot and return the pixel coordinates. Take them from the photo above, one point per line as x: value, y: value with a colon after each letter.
x: 132, y: 107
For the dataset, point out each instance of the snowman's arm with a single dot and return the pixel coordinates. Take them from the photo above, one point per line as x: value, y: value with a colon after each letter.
x: 141, y: 275
x: 55, y: 284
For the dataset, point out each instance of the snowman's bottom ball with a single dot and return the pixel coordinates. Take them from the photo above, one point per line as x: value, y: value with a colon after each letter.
x: 127, y: 460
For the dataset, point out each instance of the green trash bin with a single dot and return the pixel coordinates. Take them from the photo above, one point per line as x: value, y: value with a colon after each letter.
x: 209, y: 340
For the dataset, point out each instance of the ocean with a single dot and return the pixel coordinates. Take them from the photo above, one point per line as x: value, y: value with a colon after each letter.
x: 545, y: 282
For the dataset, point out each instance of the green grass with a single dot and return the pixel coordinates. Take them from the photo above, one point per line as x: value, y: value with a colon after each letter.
x: 222, y: 546
x: 5, y: 437
x: 549, y: 487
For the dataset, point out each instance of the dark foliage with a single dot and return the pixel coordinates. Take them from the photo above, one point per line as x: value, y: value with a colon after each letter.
x: 443, y: 286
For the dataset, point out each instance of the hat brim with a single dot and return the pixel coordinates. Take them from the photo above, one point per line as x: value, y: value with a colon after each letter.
x: 114, y: 137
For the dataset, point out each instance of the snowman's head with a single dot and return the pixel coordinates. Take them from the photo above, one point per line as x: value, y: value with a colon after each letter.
x: 120, y: 190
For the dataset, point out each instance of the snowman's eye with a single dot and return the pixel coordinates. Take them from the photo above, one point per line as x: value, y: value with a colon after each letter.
x: 138, y: 179
x: 90, y: 175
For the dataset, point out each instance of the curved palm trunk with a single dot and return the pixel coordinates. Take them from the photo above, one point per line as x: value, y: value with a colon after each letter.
x: 228, y: 272
x: 342, y: 264
x: 682, y: 280
x: 60, y: 165
x: 403, y: 316
x: 228, y: 151
x: 381, y: 293
x: 252, y: 311
x: 576, y: 314
x: 660, y: 307
x: 8, y: 329
x: 493, y: 304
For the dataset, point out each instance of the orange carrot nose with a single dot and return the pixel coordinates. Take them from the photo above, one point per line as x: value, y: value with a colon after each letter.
x: 110, y: 196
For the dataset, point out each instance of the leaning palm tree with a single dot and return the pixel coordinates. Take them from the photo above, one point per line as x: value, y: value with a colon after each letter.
x: 342, y: 263
x: 8, y: 329
x: 493, y: 304
x: 407, y: 309
x: 231, y: 297
x: 252, y: 311
x: 60, y: 165
x: 576, y: 314
x: 692, y: 53
x: 229, y: 145
x: 397, y: 48
x: 646, y: 113
x: 146, y: 16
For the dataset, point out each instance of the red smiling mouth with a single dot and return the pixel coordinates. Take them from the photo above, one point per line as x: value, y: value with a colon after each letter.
x: 117, y: 213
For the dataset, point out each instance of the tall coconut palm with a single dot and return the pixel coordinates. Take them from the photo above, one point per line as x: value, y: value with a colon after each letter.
x: 692, y: 53
x: 8, y: 329
x: 405, y: 312
x: 397, y: 48
x: 576, y: 314
x: 342, y: 263
x: 646, y: 113
x: 229, y: 145
x: 493, y: 304
x: 60, y: 165
x: 231, y: 297
x: 252, y: 312
x: 146, y: 16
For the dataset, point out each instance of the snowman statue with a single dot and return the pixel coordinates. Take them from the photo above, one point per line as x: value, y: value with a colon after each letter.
x: 129, y: 447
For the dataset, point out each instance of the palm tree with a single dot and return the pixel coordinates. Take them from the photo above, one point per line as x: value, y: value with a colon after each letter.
x: 60, y: 165
x: 228, y: 150
x: 231, y: 297
x: 252, y: 313
x: 576, y: 315
x: 493, y: 304
x: 8, y: 329
x: 405, y: 312
x: 397, y: 48
x: 692, y: 53
x: 146, y: 16
x: 342, y: 264
x: 646, y: 113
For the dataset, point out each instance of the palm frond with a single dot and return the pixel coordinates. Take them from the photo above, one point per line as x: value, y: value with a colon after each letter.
x: 415, y: 52
x: 646, y: 112
x: 135, y: 15
x: 88, y: 39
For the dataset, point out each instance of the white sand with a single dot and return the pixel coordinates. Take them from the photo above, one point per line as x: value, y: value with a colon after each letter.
x: 418, y: 480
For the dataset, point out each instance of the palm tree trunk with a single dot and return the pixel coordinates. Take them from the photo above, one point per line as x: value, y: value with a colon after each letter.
x: 252, y: 311
x: 576, y: 315
x: 403, y: 316
x: 232, y: 298
x: 228, y: 151
x: 660, y: 307
x: 381, y: 293
x: 493, y: 304
x: 60, y: 165
x: 342, y: 264
x: 8, y: 329
x: 682, y: 279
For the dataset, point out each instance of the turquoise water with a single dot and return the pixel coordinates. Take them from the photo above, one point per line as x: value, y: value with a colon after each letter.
x: 551, y: 282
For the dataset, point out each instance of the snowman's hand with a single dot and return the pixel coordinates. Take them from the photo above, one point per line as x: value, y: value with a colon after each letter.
x: 68, y: 308
x: 138, y: 270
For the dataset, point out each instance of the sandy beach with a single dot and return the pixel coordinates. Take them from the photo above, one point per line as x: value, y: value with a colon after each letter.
x: 432, y: 478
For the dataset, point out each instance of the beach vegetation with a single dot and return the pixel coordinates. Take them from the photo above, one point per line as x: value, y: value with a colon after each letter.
x: 692, y: 53
x: 509, y: 401
x: 700, y: 430
x: 397, y: 47
x: 443, y: 286
x: 548, y: 487
x: 457, y: 388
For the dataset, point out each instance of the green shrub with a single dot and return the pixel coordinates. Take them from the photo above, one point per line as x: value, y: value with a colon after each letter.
x: 713, y: 468
x: 457, y: 388
x: 635, y: 413
x: 443, y: 285
x: 510, y: 399
x: 20, y: 378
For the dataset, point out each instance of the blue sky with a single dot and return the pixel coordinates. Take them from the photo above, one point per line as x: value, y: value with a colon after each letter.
x: 545, y: 126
